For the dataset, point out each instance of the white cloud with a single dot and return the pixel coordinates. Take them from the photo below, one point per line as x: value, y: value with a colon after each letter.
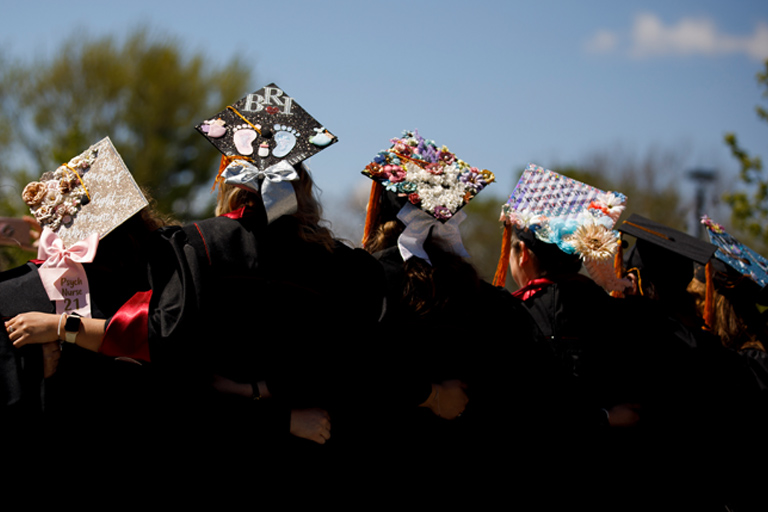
x: 604, y: 41
x: 649, y: 37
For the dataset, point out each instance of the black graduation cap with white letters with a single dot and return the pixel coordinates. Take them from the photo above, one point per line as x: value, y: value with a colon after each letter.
x: 266, y: 127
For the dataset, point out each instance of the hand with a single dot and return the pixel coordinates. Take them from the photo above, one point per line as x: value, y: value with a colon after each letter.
x: 313, y: 424
x: 34, y: 230
x: 51, y: 355
x: 624, y: 415
x: 448, y: 399
x: 32, y: 328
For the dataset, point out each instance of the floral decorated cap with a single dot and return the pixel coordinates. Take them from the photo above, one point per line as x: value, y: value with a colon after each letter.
x: 576, y: 217
x: 735, y: 254
x: 92, y: 193
x: 428, y: 175
x: 266, y: 127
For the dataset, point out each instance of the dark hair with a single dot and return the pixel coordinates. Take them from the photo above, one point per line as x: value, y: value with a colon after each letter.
x: 426, y: 288
x: 550, y: 260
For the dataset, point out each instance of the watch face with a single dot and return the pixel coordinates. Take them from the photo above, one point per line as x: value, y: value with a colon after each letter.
x: 72, y: 324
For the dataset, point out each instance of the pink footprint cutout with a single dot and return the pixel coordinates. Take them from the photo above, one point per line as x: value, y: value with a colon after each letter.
x: 243, y: 139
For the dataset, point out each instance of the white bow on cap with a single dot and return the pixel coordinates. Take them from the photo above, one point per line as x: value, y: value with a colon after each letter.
x: 273, y: 183
x: 419, y: 224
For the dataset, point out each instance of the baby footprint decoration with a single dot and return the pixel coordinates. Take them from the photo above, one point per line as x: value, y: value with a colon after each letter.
x: 285, y: 140
x: 266, y: 127
x: 243, y: 138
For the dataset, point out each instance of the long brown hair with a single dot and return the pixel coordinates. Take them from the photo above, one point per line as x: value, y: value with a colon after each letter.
x: 308, y: 214
x: 735, y: 323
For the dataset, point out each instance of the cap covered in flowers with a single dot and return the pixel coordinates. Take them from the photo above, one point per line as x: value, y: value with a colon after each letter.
x: 428, y: 175
x: 732, y: 252
x: 93, y: 192
x: 577, y: 217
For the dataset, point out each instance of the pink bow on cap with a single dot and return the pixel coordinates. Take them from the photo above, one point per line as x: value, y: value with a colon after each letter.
x: 62, y: 273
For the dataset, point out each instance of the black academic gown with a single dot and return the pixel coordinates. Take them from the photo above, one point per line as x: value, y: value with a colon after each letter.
x: 252, y: 302
x: 482, y: 336
x: 21, y: 371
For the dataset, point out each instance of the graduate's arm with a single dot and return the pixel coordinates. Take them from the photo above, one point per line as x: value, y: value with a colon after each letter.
x: 34, y: 327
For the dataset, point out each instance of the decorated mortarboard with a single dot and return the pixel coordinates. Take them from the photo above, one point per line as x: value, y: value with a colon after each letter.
x: 737, y: 255
x: 428, y: 175
x: 432, y: 183
x: 576, y: 217
x: 80, y: 202
x: 92, y: 193
x: 668, y: 238
x: 262, y: 136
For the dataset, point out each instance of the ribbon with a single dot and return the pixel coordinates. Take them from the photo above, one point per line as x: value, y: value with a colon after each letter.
x: 273, y: 184
x: 418, y: 226
x: 62, y: 272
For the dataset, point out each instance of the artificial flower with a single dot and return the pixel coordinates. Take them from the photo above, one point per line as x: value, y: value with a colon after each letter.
x: 712, y: 225
x: 34, y: 193
x: 594, y: 242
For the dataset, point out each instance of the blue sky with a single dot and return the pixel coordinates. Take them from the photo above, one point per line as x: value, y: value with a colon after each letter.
x: 501, y: 83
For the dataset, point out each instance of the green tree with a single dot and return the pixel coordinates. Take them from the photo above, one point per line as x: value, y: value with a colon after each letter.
x: 749, y: 208
x: 146, y: 94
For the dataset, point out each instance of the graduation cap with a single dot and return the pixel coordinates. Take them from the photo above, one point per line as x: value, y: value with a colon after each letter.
x: 743, y: 261
x: 664, y: 257
x: 262, y: 137
x: 92, y: 193
x: 266, y: 127
x: 427, y: 175
x: 79, y: 203
x: 664, y: 254
x: 576, y: 217
x: 738, y: 256
x: 421, y: 176
x: 672, y: 240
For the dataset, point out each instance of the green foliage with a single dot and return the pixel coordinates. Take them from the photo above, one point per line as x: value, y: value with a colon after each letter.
x: 482, y: 232
x: 749, y: 208
x: 146, y: 94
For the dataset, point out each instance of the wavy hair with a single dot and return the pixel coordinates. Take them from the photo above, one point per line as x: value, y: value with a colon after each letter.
x: 308, y: 214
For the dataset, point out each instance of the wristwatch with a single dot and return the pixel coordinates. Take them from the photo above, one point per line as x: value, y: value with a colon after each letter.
x: 71, y: 327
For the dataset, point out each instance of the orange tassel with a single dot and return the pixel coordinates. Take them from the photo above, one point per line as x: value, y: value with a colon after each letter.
x: 372, y: 212
x: 618, y: 267
x: 225, y: 161
x: 500, y: 278
x: 709, y: 306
